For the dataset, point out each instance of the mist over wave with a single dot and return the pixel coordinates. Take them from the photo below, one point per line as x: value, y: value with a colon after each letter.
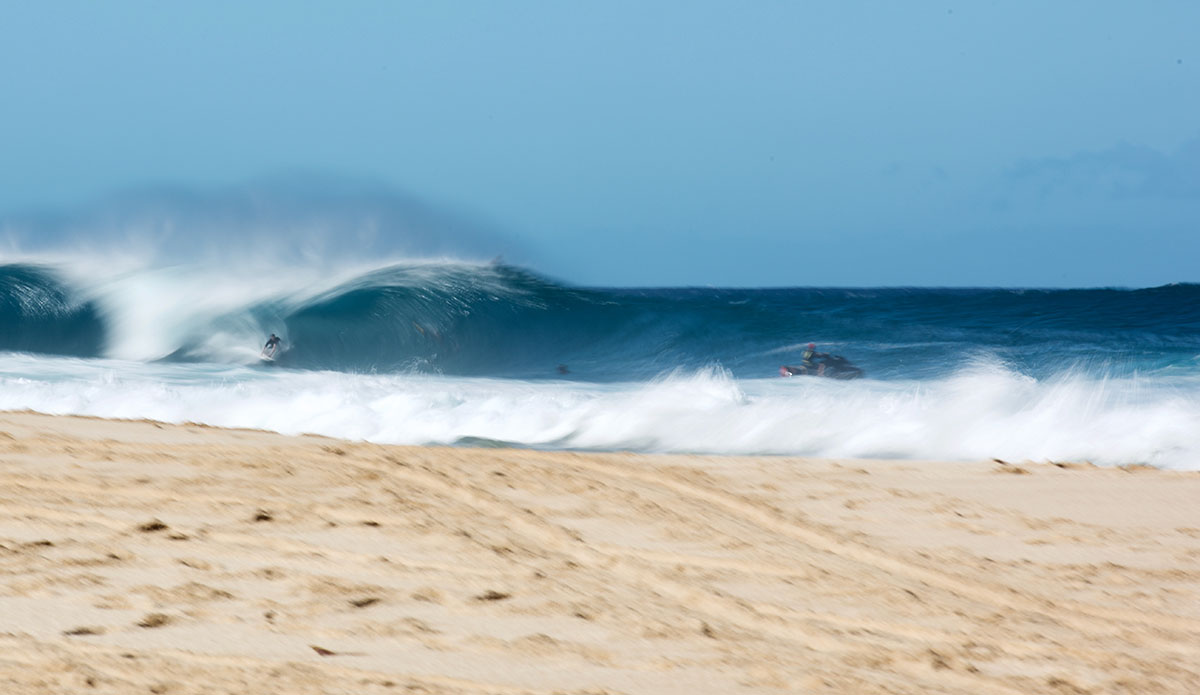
x: 278, y: 223
x: 197, y: 273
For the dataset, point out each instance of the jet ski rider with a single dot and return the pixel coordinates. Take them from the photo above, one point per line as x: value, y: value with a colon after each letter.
x: 808, y: 360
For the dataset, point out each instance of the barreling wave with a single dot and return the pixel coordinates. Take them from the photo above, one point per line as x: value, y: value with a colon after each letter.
x: 438, y: 317
x: 453, y: 318
x: 497, y: 320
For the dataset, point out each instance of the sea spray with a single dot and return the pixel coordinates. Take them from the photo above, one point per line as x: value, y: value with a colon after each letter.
x: 966, y: 415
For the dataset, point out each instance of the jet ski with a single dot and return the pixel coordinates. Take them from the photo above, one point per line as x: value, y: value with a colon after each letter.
x: 829, y: 366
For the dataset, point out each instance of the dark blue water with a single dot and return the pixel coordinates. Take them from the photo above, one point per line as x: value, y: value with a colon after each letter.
x: 507, y: 322
x: 40, y: 314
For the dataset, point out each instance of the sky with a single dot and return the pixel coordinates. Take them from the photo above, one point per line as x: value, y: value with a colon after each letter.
x: 748, y: 144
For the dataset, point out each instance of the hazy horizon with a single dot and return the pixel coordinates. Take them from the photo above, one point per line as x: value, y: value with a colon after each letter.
x: 698, y: 144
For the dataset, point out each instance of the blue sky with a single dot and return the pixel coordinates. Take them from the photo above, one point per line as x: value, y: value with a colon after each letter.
x: 672, y: 143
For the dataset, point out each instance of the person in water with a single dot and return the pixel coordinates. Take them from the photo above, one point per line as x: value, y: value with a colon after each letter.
x: 271, y: 346
x: 808, y: 360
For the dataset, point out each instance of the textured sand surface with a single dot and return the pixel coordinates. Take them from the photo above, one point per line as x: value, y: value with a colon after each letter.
x: 144, y: 558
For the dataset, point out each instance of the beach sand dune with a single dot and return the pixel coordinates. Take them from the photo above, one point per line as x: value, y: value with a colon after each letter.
x: 138, y: 557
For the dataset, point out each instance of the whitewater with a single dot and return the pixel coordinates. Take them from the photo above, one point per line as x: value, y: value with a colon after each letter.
x: 476, y: 353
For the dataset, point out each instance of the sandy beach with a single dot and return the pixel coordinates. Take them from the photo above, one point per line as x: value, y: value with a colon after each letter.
x: 138, y: 557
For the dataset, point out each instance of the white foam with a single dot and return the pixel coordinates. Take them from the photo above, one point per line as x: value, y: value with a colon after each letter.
x: 982, y: 412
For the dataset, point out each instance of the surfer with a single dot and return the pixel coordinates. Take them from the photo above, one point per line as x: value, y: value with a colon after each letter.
x: 271, y: 346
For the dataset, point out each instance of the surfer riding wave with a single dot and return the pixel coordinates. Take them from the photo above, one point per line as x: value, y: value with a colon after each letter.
x: 272, y: 347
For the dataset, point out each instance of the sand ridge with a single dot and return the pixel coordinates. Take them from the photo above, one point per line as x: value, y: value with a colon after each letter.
x: 144, y: 557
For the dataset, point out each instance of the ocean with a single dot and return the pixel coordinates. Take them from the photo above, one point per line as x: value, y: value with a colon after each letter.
x: 454, y: 353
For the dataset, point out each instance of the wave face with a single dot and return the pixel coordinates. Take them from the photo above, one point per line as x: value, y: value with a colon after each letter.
x: 501, y: 321
x: 40, y: 314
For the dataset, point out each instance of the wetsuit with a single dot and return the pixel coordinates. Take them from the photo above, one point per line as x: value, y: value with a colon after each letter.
x: 271, y: 347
